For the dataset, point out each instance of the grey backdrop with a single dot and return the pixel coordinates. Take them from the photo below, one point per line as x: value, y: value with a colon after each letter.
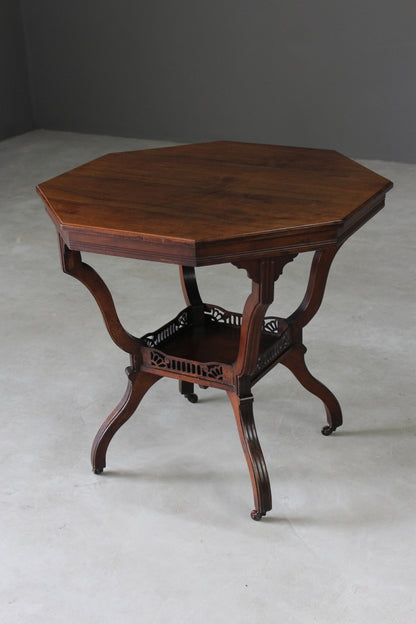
x: 15, y: 105
x: 325, y: 73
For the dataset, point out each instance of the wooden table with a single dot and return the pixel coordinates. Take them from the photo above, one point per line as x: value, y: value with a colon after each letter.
x: 255, y: 206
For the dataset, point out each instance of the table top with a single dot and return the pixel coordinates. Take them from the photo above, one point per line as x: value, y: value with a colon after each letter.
x: 208, y: 203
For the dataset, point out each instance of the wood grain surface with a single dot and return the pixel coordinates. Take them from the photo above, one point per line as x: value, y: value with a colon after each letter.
x: 212, y: 202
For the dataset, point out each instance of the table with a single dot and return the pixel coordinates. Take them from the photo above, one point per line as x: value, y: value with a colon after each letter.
x: 255, y: 206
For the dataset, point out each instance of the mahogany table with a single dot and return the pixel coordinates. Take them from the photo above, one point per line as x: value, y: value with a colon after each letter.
x: 255, y: 206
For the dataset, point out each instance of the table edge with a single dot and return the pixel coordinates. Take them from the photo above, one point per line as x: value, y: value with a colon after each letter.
x: 208, y: 252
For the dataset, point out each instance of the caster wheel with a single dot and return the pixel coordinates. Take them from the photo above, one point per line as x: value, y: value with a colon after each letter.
x: 327, y: 430
x: 98, y: 470
x: 192, y: 398
x: 257, y: 515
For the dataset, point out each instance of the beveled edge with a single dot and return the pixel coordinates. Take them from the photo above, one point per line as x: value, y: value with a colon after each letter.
x: 215, y: 251
x: 184, y: 253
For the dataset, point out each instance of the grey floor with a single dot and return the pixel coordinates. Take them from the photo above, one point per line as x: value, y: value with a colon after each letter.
x: 165, y: 535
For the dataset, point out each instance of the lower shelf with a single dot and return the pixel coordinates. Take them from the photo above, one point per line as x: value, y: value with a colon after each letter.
x: 207, y: 351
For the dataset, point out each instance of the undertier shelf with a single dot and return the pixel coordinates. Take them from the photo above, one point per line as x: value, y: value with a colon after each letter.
x: 208, y: 350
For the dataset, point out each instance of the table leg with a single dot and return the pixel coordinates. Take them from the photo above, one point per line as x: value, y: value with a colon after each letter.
x: 294, y: 359
x: 138, y: 384
x: 73, y: 265
x: 263, y: 274
x: 243, y: 410
x: 192, y: 298
x: 187, y: 389
x: 190, y: 287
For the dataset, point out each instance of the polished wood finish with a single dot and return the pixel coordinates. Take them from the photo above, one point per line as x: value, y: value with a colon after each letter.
x: 212, y: 202
x: 73, y: 265
x: 243, y: 410
x: 256, y: 206
x: 138, y: 384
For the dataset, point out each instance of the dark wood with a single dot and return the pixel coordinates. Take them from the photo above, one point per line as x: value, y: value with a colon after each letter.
x: 243, y: 410
x: 256, y: 206
x: 190, y: 287
x: 193, y: 299
x: 138, y: 384
x: 187, y: 389
x: 263, y: 274
x: 72, y: 264
x: 212, y: 202
x: 294, y: 360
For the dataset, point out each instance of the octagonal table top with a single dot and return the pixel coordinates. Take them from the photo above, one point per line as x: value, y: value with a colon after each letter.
x: 208, y: 203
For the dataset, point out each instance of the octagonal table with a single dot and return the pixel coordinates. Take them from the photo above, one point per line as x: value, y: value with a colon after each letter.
x: 255, y: 206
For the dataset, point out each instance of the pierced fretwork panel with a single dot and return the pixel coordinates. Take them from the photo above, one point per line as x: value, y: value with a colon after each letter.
x: 219, y: 315
x: 267, y: 357
x: 168, y: 330
x: 271, y: 324
x: 209, y: 371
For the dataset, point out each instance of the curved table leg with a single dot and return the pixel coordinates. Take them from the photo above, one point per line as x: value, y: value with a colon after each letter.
x: 294, y: 360
x: 243, y: 410
x: 192, y: 298
x: 315, y: 290
x: 263, y: 274
x: 190, y: 286
x: 72, y: 264
x: 138, y: 384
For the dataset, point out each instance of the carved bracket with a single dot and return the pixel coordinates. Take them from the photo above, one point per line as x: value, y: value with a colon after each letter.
x: 263, y: 274
x: 255, y: 268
